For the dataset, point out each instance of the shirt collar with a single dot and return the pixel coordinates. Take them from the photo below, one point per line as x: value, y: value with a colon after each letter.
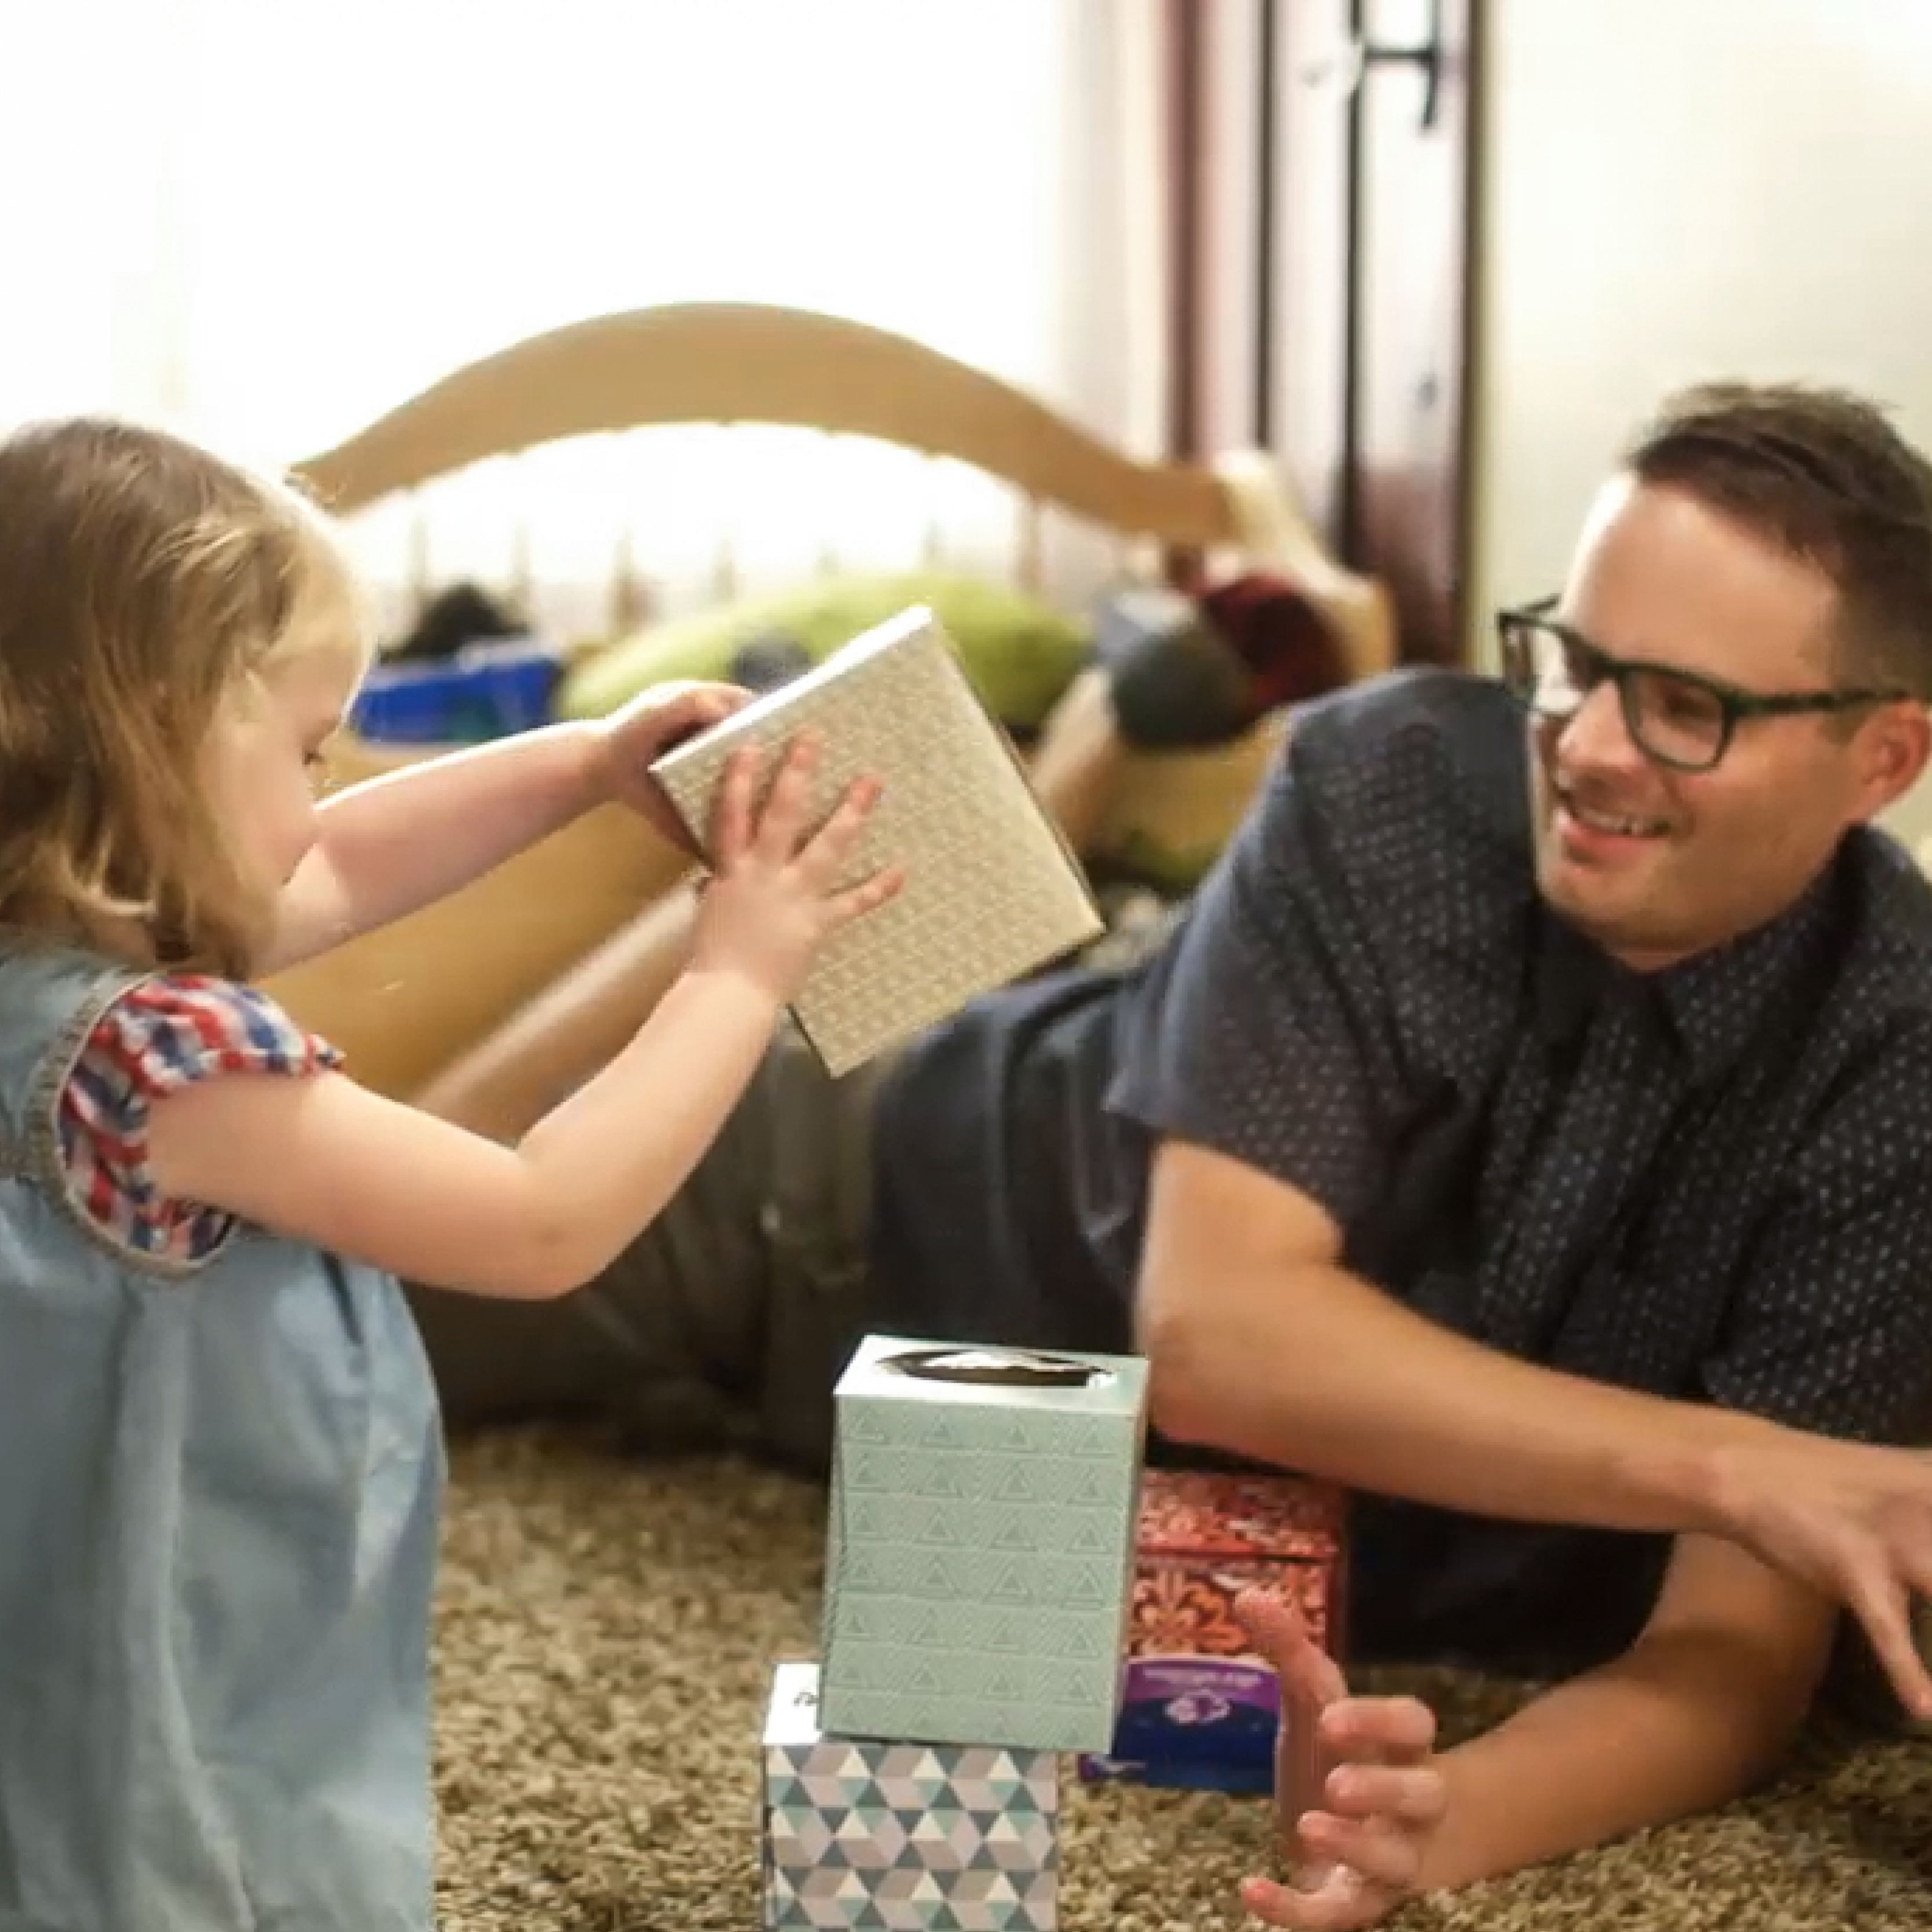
x: 1717, y: 1001
x: 1711, y: 1003
x: 1571, y: 977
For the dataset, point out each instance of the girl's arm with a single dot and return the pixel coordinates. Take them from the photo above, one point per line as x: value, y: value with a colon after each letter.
x: 322, y: 1160
x: 402, y: 841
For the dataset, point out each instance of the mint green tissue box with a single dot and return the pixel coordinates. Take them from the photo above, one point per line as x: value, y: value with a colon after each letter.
x: 980, y: 1547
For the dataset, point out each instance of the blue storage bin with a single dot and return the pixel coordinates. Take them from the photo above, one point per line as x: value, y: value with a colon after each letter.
x: 485, y: 692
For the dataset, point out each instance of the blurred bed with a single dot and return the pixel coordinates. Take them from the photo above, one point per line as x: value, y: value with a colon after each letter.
x: 404, y: 1001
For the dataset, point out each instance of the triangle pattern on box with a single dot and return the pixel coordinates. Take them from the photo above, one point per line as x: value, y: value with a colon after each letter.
x: 960, y: 1836
x: 979, y: 1559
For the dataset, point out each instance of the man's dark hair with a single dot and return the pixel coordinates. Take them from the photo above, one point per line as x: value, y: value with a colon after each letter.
x: 1823, y: 474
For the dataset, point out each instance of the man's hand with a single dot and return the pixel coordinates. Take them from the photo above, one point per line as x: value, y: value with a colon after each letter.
x: 1357, y: 1794
x: 1852, y: 1521
x: 629, y: 741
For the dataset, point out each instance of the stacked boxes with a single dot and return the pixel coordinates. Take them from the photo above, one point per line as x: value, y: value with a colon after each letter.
x: 907, y: 1835
x: 981, y: 1546
x: 980, y: 1557
x: 1198, y: 1707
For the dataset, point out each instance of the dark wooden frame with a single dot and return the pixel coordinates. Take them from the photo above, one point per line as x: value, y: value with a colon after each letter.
x: 1389, y: 480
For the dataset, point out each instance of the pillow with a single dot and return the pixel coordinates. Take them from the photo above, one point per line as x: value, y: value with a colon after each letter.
x: 1021, y: 653
x: 1174, y: 812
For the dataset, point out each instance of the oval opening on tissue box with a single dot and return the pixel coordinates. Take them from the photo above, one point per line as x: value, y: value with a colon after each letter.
x: 992, y: 1368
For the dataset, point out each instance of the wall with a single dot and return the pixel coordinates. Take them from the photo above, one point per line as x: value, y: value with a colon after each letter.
x: 1672, y: 189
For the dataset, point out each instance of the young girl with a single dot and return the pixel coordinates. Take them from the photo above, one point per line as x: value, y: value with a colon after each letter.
x: 220, y: 1460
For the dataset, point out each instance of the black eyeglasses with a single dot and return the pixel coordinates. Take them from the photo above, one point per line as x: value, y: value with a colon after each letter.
x: 1677, y: 717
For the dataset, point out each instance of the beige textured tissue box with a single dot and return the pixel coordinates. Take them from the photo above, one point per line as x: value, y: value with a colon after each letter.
x: 991, y: 892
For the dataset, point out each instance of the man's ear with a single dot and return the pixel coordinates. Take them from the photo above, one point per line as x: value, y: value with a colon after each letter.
x: 1892, y: 751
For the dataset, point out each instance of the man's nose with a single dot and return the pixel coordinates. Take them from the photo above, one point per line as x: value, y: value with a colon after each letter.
x: 1596, y: 734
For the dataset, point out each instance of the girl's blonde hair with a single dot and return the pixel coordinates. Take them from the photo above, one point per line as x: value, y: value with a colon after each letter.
x: 143, y: 583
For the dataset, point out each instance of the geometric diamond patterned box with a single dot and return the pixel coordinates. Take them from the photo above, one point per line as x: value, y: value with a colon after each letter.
x: 913, y: 1837
x: 990, y: 891
x: 980, y: 1544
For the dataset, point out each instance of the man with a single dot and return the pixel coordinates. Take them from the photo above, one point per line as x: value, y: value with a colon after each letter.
x: 1527, y: 1126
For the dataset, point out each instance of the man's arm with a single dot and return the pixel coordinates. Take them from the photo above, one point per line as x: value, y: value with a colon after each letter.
x: 1698, y: 1710
x: 557, y: 1038
x: 1261, y: 1345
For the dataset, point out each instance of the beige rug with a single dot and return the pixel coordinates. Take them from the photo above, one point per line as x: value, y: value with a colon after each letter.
x: 607, y: 1633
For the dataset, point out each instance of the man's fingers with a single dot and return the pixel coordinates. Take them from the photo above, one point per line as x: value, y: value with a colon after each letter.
x: 1411, y: 1794
x: 1396, y: 1730
x: 1337, y: 1904
x: 1275, y: 1628
x: 1376, y: 1850
x: 1884, y: 1606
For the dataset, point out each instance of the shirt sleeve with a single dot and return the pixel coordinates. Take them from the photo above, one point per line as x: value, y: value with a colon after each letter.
x: 1833, y: 1331
x: 160, y: 1035
x: 1267, y: 1033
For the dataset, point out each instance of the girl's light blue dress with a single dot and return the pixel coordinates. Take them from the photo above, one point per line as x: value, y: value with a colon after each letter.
x: 219, y: 1486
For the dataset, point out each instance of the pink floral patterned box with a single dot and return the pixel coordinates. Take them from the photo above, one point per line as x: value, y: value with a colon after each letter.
x: 1198, y: 1708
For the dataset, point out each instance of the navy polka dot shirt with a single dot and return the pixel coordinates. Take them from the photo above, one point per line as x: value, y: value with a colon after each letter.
x: 1713, y: 1183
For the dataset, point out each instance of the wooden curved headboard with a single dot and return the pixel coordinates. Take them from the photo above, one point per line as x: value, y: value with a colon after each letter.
x: 751, y: 363
x: 403, y: 1000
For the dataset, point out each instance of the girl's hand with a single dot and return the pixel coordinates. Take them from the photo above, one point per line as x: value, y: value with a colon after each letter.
x: 772, y: 899
x: 634, y: 736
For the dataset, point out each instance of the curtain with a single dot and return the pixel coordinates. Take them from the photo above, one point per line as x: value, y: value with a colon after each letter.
x: 264, y: 222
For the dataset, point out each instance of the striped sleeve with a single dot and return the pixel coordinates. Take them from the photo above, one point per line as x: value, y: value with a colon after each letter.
x: 161, y: 1035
